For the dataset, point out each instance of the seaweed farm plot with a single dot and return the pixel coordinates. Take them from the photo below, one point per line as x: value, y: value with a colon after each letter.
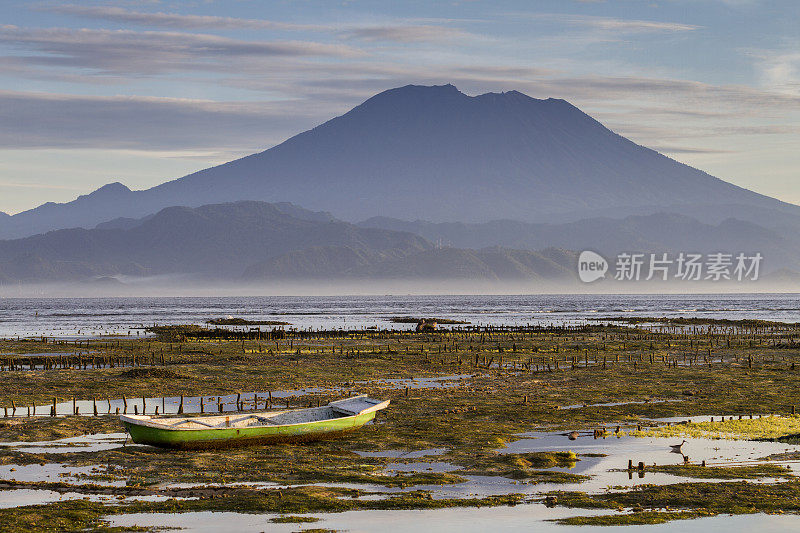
x: 85, y: 443
x: 607, y: 404
x: 477, y: 520
x: 226, y: 403
x: 50, y: 360
x: 624, y: 460
x: 155, y: 405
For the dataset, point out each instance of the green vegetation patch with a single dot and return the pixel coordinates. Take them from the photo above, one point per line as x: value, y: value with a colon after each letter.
x: 632, y: 519
x: 515, y: 379
x: 293, y: 519
x: 77, y: 515
x: 686, y: 500
x: 412, y: 320
x: 524, y: 466
x: 245, y: 322
x: 69, y: 515
x: 725, y: 472
x: 763, y: 428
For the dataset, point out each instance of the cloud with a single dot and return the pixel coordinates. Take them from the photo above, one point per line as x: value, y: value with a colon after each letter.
x: 400, y: 33
x: 683, y: 150
x: 46, y: 186
x: 690, y: 94
x: 39, y: 120
x: 175, y: 20
x: 127, y: 51
x: 407, y: 34
x: 779, y: 69
x: 319, y: 92
x: 771, y: 129
x: 619, y: 25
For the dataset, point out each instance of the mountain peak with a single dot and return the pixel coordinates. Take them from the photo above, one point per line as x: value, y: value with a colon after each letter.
x: 447, y: 88
x: 435, y: 153
x: 110, y: 188
x: 412, y: 95
x: 108, y: 191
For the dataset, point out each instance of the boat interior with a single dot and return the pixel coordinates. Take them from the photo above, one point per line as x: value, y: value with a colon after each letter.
x: 338, y: 409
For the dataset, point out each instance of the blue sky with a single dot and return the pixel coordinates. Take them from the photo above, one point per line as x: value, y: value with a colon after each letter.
x: 143, y: 92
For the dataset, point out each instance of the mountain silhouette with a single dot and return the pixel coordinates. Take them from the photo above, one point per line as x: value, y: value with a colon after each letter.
x: 437, y: 154
x: 213, y: 241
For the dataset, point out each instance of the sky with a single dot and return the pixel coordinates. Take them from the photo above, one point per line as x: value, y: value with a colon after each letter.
x: 142, y: 92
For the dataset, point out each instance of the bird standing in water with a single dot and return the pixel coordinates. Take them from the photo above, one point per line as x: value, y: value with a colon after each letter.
x: 676, y: 448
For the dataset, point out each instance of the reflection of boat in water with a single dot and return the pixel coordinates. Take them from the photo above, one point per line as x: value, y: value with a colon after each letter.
x: 221, y: 431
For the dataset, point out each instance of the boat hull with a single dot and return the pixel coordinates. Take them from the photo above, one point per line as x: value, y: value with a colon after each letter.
x: 245, y: 436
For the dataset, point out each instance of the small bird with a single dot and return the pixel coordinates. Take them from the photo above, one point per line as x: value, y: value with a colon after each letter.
x: 676, y: 448
x: 573, y: 435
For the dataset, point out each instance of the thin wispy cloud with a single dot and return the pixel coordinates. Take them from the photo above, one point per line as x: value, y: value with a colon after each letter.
x: 45, y: 186
x: 152, y: 51
x: 176, y: 20
x: 41, y: 120
x: 407, y: 34
x: 779, y: 69
x: 615, y: 24
x: 684, y: 150
x: 398, y: 32
x: 700, y: 95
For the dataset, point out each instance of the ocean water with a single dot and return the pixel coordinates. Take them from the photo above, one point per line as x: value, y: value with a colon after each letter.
x: 88, y: 317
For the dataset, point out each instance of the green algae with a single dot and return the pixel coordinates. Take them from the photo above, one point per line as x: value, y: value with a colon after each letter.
x: 745, y: 428
x: 293, y: 519
x: 685, y: 500
x: 75, y: 515
x: 472, y: 418
x: 524, y: 466
x: 725, y: 472
x: 632, y: 519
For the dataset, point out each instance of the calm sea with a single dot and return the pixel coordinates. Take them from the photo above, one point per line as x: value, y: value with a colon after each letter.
x: 80, y: 317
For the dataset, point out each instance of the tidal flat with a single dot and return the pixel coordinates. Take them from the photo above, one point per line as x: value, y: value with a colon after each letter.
x: 550, y: 422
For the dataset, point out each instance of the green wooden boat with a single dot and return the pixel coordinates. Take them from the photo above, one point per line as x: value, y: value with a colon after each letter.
x: 241, y: 429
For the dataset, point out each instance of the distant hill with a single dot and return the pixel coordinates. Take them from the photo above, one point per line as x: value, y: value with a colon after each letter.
x: 257, y: 241
x: 283, y: 207
x: 436, y: 264
x: 217, y: 241
x: 434, y: 153
x: 496, y: 264
x: 660, y: 232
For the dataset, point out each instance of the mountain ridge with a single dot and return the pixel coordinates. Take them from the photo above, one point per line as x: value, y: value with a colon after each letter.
x: 216, y: 241
x: 665, y: 232
x: 252, y: 241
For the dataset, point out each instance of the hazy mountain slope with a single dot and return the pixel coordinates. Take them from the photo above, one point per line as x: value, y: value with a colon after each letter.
x: 491, y: 264
x: 653, y: 233
x: 283, y: 207
x: 437, y: 154
x: 494, y: 264
x: 317, y: 262
x: 214, y: 240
